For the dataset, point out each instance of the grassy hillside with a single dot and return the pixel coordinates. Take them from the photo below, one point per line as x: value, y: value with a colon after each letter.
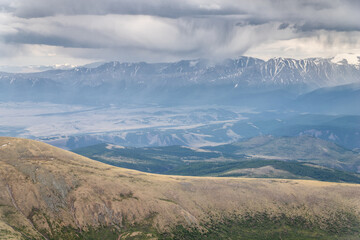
x: 49, y: 193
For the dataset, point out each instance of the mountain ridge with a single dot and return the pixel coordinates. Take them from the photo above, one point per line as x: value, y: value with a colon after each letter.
x: 162, y: 82
x: 230, y: 68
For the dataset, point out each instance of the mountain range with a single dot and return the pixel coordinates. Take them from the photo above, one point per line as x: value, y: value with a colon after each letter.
x: 245, y: 81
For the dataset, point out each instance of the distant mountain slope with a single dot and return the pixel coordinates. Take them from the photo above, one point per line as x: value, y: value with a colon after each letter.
x: 49, y: 193
x: 282, y: 157
x: 303, y: 148
x: 340, y: 129
x: 336, y: 100
x: 259, y: 168
x: 246, y: 81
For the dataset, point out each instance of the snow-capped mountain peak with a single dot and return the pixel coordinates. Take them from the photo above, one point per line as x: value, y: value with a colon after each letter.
x: 117, y: 80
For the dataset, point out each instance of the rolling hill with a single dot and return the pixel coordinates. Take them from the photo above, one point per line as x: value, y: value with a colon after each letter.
x: 303, y: 148
x: 49, y: 193
x: 301, y: 157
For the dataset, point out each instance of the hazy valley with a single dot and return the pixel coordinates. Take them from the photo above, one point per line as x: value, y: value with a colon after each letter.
x: 268, y: 158
x: 179, y: 120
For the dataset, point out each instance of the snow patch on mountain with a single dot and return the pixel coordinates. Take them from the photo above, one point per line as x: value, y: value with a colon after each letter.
x: 346, y: 58
x: 112, y: 146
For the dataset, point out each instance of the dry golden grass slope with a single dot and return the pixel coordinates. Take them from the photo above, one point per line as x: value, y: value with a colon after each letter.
x: 45, y: 191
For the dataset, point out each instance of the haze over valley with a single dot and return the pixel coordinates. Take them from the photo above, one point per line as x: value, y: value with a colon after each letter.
x: 184, y: 103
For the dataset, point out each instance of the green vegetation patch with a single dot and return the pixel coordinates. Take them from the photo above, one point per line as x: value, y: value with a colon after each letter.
x: 260, y: 225
x: 263, y: 226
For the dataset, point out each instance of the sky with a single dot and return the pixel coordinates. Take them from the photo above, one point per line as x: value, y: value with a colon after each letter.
x: 77, y: 32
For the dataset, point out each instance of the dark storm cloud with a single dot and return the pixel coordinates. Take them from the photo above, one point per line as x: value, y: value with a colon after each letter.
x: 163, y: 29
x: 283, y: 26
x: 255, y: 9
x: 315, y: 14
x: 304, y: 15
x: 163, y: 8
x: 339, y: 27
x: 251, y: 22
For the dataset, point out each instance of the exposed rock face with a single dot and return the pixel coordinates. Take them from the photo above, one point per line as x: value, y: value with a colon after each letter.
x: 49, y: 193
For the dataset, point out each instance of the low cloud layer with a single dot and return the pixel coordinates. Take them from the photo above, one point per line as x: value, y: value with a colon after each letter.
x: 77, y: 32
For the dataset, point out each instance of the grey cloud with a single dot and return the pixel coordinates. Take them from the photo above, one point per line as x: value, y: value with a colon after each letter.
x: 317, y: 5
x: 23, y: 37
x: 311, y: 26
x: 252, y: 22
x: 6, y: 8
x: 163, y: 8
x: 283, y: 26
x: 163, y: 29
x: 342, y: 15
x: 203, y: 37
